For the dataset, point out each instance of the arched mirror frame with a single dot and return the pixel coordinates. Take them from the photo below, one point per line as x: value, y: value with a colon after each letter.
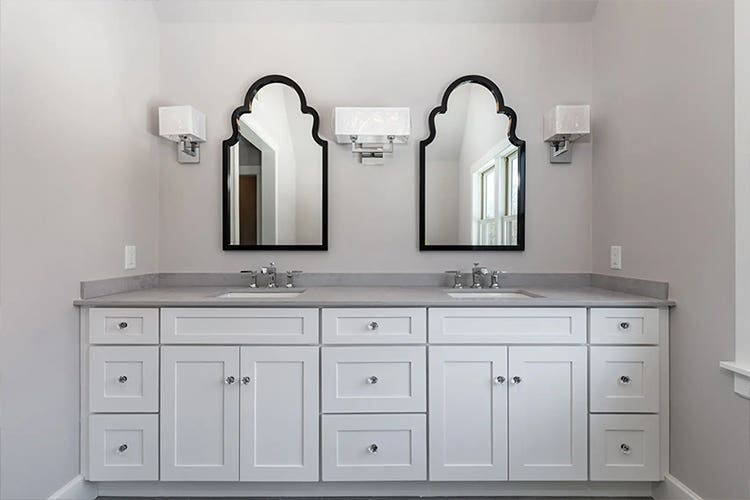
x: 512, y: 138
x: 234, y: 138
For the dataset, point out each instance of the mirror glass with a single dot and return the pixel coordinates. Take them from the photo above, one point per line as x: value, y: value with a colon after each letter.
x: 473, y: 175
x: 274, y: 181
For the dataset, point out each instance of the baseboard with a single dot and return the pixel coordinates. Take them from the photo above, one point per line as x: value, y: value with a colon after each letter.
x: 673, y: 489
x: 76, y: 489
x: 346, y: 490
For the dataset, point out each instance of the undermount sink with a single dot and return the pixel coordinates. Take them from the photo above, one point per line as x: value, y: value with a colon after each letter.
x: 490, y: 294
x: 265, y: 294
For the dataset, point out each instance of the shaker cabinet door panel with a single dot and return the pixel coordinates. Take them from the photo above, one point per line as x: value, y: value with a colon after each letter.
x: 279, y: 414
x: 547, y: 401
x: 468, y: 413
x: 200, y: 405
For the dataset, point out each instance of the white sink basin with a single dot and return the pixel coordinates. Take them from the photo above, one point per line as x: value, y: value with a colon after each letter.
x: 281, y: 294
x: 510, y: 294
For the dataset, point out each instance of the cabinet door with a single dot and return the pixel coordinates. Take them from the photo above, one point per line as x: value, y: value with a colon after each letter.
x: 547, y: 413
x: 468, y: 413
x: 200, y: 406
x: 279, y: 414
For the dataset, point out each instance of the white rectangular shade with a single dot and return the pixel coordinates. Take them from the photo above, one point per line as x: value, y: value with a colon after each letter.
x: 182, y: 121
x: 372, y: 125
x: 567, y: 122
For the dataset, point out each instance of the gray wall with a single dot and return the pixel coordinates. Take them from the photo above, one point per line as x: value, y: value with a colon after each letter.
x: 373, y: 209
x: 78, y: 183
x: 662, y: 188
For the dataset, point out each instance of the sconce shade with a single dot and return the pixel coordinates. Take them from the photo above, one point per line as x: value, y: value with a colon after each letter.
x: 372, y: 125
x: 566, y: 122
x: 182, y: 122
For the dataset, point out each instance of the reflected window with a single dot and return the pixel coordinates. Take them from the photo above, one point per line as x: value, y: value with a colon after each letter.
x: 496, y: 200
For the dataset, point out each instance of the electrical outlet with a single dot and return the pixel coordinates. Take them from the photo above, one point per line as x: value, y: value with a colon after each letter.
x: 615, y: 257
x: 130, y: 257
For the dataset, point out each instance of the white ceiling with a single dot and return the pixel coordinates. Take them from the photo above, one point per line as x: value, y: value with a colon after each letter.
x: 427, y: 11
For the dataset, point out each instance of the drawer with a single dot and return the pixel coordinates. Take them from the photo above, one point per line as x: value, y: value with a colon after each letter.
x: 488, y: 325
x: 124, y: 379
x: 374, y: 448
x: 375, y: 325
x: 624, y: 448
x: 374, y: 379
x: 218, y: 325
x: 624, y: 326
x: 625, y: 379
x: 123, y: 448
x: 123, y: 326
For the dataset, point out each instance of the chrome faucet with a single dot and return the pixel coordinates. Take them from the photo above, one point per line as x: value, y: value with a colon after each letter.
x: 270, y: 271
x: 477, y: 272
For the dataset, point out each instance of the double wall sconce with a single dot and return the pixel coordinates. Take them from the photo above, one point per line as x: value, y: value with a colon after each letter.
x: 372, y: 132
x: 186, y: 126
x: 563, y: 125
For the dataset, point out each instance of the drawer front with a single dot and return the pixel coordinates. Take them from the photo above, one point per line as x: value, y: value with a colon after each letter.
x: 375, y: 326
x: 374, y: 448
x: 624, y: 448
x: 239, y: 326
x: 374, y: 379
x: 123, y: 448
x: 123, y: 326
x: 124, y: 379
x: 624, y: 326
x: 625, y: 379
x: 464, y: 325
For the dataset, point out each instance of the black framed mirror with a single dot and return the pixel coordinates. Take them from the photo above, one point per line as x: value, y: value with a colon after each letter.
x: 275, y: 172
x: 472, y: 172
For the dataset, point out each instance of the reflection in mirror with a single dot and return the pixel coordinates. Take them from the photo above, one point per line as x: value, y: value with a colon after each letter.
x: 472, y: 169
x: 275, y: 172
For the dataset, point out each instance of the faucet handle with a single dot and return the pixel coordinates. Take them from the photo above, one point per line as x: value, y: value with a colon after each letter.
x: 457, y: 278
x: 495, y: 279
x: 253, y: 277
x: 290, y: 278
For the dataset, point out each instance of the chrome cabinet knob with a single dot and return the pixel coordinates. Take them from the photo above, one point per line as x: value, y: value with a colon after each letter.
x: 122, y: 448
x: 373, y: 448
x: 499, y: 379
x: 624, y: 326
x: 372, y: 325
x: 625, y: 449
x: 122, y: 379
x: 372, y: 380
x: 516, y: 379
x: 245, y: 380
x: 624, y: 380
x: 230, y: 380
x: 122, y: 325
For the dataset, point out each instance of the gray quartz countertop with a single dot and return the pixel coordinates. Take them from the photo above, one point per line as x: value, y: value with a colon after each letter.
x: 368, y: 296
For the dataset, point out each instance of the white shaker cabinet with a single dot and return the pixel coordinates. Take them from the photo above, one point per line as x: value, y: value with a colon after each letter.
x: 200, y: 408
x: 547, y: 401
x: 468, y: 413
x: 499, y: 399
x: 279, y: 414
x: 231, y: 413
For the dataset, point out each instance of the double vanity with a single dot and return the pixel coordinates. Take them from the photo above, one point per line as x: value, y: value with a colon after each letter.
x: 307, y: 388
x: 424, y: 390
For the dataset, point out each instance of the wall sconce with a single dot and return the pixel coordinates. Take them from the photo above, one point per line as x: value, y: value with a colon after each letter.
x: 186, y: 126
x: 563, y: 125
x: 372, y: 132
